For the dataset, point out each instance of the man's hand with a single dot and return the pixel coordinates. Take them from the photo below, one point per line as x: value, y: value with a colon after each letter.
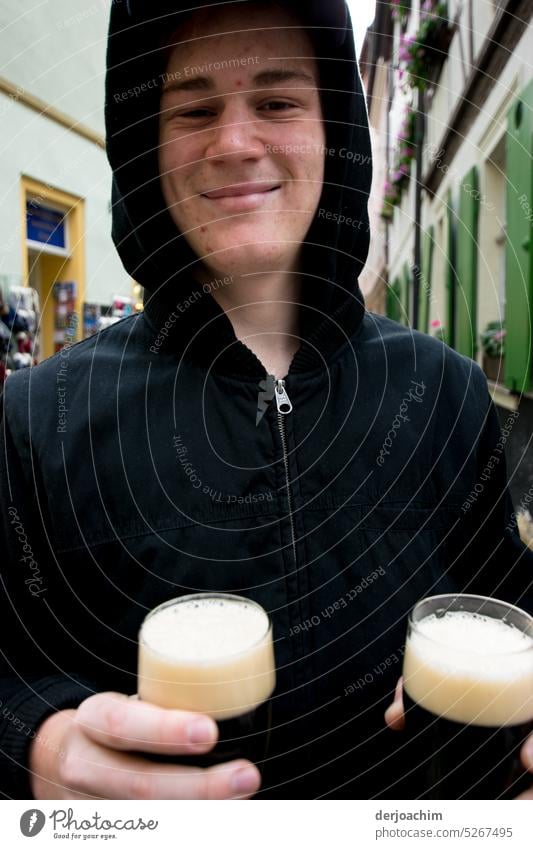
x: 526, y: 756
x: 395, y: 719
x: 87, y: 753
x: 394, y: 715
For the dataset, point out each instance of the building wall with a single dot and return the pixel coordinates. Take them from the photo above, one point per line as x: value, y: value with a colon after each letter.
x: 483, y: 146
x: 373, y: 277
x: 56, y: 52
x: 45, y: 151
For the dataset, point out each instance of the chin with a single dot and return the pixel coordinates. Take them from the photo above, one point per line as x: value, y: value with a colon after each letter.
x: 247, y: 255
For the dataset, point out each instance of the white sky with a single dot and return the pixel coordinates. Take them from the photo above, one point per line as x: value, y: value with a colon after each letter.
x: 362, y: 13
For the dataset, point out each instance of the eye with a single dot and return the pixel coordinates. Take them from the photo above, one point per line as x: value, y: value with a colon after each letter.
x: 280, y: 105
x: 195, y: 113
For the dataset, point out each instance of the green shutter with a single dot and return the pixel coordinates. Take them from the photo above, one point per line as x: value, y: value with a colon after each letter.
x: 467, y: 251
x: 450, y: 272
x: 424, y: 294
x: 519, y: 247
x: 393, y: 300
x: 406, y: 295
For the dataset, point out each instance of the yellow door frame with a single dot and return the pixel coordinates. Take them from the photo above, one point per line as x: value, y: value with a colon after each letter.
x: 69, y: 267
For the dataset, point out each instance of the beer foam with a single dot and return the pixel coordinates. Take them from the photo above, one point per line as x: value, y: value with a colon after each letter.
x: 211, y: 655
x: 202, y: 630
x: 474, y: 632
x: 471, y: 668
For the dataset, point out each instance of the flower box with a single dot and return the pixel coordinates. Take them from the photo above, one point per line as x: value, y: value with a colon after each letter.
x: 422, y: 53
x: 493, y: 368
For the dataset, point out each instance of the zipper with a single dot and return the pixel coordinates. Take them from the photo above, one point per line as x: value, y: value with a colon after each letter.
x: 284, y: 406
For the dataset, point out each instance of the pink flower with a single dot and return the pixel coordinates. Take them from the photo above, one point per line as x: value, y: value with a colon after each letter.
x: 435, y: 323
x: 407, y: 40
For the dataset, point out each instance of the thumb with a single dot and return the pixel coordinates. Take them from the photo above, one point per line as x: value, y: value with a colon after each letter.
x: 394, y: 715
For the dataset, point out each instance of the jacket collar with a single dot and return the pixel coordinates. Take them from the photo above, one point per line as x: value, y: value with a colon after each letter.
x: 196, y: 327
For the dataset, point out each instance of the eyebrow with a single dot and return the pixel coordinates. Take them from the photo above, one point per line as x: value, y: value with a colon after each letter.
x: 263, y: 78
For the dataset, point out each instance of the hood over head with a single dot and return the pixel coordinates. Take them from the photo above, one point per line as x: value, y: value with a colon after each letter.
x: 158, y: 256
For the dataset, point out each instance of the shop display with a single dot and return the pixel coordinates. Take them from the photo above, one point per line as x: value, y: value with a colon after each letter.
x: 19, y: 325
x: 91, y: 317
x: 66, y: 318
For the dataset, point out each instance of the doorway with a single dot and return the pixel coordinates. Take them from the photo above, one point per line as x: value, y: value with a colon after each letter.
x: 53, y: 253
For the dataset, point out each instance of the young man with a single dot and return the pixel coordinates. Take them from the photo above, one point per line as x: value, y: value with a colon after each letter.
x: 238, y: 137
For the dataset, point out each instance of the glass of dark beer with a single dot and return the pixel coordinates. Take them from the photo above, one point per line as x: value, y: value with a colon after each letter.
x: 212, y: 653
x: 468, y: 696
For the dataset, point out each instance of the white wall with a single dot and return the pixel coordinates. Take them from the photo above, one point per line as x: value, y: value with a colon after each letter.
x: 56, y: 50
x: 41, y: 149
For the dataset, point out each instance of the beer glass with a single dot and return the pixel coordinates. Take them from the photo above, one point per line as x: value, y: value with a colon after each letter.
x: 212, y: 653
x: 468, y: 696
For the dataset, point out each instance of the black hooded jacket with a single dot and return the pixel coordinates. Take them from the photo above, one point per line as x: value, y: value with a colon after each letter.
x: 173, y: 471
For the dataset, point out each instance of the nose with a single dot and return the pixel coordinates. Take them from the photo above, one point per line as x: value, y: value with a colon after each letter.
x: 235, y: 134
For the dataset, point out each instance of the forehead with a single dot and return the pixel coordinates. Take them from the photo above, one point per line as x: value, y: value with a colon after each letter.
x: 263, y: 33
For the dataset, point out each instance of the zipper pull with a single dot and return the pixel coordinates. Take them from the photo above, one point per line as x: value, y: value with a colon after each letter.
x: 282, y: 399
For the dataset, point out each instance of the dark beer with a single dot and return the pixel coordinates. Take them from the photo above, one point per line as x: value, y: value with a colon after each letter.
x: 468, y: 697
x: 212, y: 653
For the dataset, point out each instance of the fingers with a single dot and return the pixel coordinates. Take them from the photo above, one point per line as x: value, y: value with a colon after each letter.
x: 92, y: 771
x: 526, y: 753
x: 398, y: 693
x: 394, y: 715
x: 96, y: 766
x: 526, y: 756
x: 117, y: 722
x: 524, y: 796
x: 234, y: 780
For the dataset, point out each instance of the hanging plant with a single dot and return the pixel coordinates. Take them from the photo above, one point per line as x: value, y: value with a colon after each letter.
x: 401, y: 10
x: 493, y: 339
x: 400, y: 174
x: 423, y: 51
x: 439, y: 331
x: 493, y: 344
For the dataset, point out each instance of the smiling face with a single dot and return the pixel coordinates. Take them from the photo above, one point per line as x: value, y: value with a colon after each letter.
x: 241, y: 153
